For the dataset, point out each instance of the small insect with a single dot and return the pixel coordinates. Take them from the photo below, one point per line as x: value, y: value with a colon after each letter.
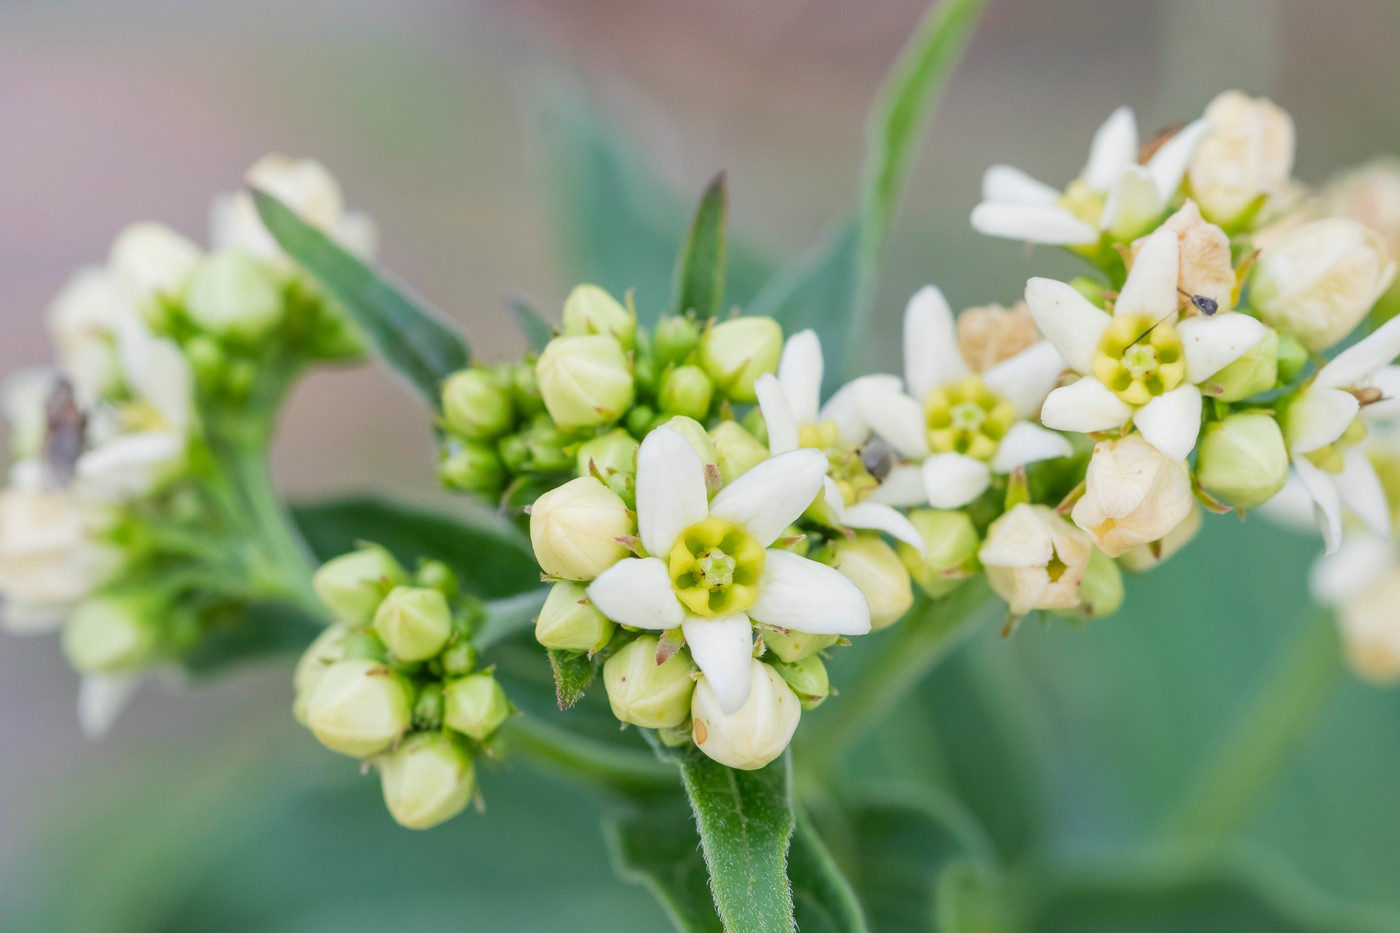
x: 878, y: 459
x: 1206, y: 306
x: 65, y: 431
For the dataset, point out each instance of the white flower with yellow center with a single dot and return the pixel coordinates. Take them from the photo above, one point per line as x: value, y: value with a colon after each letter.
x: 1114, y: 194
x: 1142, y: 364
x: 711, y: 570
x: 960, y: 427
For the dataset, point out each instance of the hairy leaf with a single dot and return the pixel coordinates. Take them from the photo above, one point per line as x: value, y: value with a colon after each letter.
x: 573, y: 674
x: 656, y: 847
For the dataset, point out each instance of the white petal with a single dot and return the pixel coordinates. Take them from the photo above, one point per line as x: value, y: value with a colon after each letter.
x: 1114, y: 149
x: 670, y: 490
x: 1068, y: 320
x: 1169, y: 163
x: 1292, y: 507
x: 1085, y: 405
x: 1327, y: 504
x: 904, y: 487
x: 951, y: 481
x: 1029, y: 443
x: 130, y: 465
x: 1362, y: 359
x: 1357, y: 564
x: 1032, y: 223
x: 1132, y: 205
x: 1026, y: 378
x: 1011, y: 185
x: 1319, y: 416
x: 1172, y: 422
x: 805, y: 596
x: 894, y: 416
x: 773, y: 494
x: 1388, y: 381
x: 1151, y: 285
x: 1212, y: 343
x: 931, y: 354
x: 1361, y: 491
x: 843, y: 409
x: 778, y: 416
x: 637, y: 591
x: 873, y: 516
x: 722, y: 649
x: 157, y: 372
x: 102, y: 698
x: 800, y: 372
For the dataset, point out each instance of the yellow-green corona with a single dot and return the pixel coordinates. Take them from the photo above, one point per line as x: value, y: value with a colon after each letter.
x: 715, y: 567
x: 965, y: 417
x: 1330, y: 457
x: 1140, y: 358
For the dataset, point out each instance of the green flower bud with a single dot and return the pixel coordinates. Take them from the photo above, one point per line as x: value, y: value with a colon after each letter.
x: 873, y: 566
x: 1101, y: 590
x: 645, y: 693
x: 207, y: 359
x: 458, y: 658
x: 591, y: 310
x: 1243, y: 460
x: 437, y: 575
x: 950, y: 549
x: 327, y: 649
x: 614, y: 452
x: 472, y: 467
x: 525, y: 389
x: 359, y: 708
x: 476, y: 405
x: 1255, y: 372
x: 234, y: 295
x: 808, y: 680
x: 736, y: 352
x: 427, y: 780
x: 114, y: 633
x: 696, y: 436
x: 575, y: 529
x: 547, y: 447
x: 413, y: 622
x: 641, y: 419
x: 475, y: 706
x: 675, y: 338
x: 569, y: 622
x: 736, y: 450
x: 428, y: 708
x: 687, y: 391
x: 1091, y: 289
x: 353, y: 585
x: 1292, y: 357
x: 585, y: 381
x: 794, y: 646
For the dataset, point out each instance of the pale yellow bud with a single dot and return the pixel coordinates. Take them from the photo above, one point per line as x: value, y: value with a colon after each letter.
x: 792, y: 647
x: 758, y: 732
x: 1034, y: 559
x: 427, y: 780
x: 1243, y: 459
x: 1247, y: 156
x: 359, y: 707
x: 591, y: 310
x: 737, y: 451
x: 112, y: 634
x: 475, y: 705
x: 585, y: 381
x: 327, y: 649
x: 950, y: 547
x: 1133, y: 494
x: 736, y: 352
x: 234, y: 295
x: 644, y: 693
x: 569, y: 622
x: 353, y: 585
x: 874, y: 567
x: 575, y: 529
x: 413, y: 622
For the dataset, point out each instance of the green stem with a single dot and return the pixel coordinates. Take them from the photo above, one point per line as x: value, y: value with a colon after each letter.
x: 629, y: 773
x: 1280, y: 715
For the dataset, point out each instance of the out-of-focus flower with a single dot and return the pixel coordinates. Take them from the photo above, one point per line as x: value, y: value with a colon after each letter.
x: 1371, y: 196
x: 1035, y: 559
x: 1246, y: 158
x: 359, y: 707
x: 427, y: 780
x: 1133, y: 495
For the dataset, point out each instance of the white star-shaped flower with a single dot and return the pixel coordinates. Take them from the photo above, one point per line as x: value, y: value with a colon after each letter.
x: 1141, y: 364
x: 711, y: 570
x: 1113, y: 193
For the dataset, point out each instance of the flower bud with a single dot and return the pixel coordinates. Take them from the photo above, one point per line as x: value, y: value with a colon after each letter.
x: 428, y: 708
x: 644, y: 693
x: 874, y: 567
x: 1370, y: 635
x: 113, y: 633
x: 327, y: 649
x: 794, y: 646
x: 674, y: 339
x: 1133, y: 494
x: 949, y: 553
x: 427, y: 780
x: 736, y: 450
x: 476, y: 406
x: 413, y: 622
x: 641, y: 419
x: 614, y: 452
x: 686, y: 390
x: 1318, y: 281
x: 808, y: 679
x: 1370, y: 195
x: 1146, y: 556
x: 472, y: 467
x: 437, y: 575
x: 1246, y: 157
x: 1035, y: 559
x: 150, y: 259
x: 1101, y: 590
x: 359, y: 708
x: 758, y: 732
x: 1243, y: 460
x: 585, y: 381
x: 1255, y: 372
x: 1292, y: 357
x: 475, y: 706
x: 575, y: 529
x: 696, y: 436
x: 569, y: 622
x: 591, y: 310
x: 736, y: 352
x: 353, y: 585
x: 234, y: 295
x: 525, y: 389
x: 458, y: 658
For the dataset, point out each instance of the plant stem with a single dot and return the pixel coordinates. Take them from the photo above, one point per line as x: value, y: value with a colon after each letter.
x: 1266, y: 736
x: 629, y: 773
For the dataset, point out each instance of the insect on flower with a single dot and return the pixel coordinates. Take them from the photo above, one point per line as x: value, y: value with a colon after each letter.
x: 65, y: 430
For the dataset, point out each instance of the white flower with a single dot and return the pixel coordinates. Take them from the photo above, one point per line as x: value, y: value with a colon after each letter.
x: 1133, y: 495
x: 1246, y: 157
x: 1035, y: 559
x: 710, y: 570
x: 791, y: 406
x: 83, y: 321
x: 1114, y: 194
x: 753, y: 735
x: 1141, y: 365
x: 1371, y: 195
x: 149, y: 259
x: 960, y: 428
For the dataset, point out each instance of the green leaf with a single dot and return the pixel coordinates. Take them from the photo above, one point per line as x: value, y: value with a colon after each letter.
x: 816, y: 291
x: 573, y: 674
x: 822, y: 895
x: 700, y: 270
x: 532, y: 324
x: 413, y: 340
x: 655, y: 847
x: 245, y: 633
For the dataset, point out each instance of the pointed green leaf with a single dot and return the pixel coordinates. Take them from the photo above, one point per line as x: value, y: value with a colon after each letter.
x: 655, y: 847
x: 701, y: 266
x: 531, y: 323
x: 573, y: 673
x: 413, y: 340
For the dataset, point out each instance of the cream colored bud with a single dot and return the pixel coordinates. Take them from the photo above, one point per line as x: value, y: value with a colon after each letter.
x: 1243, y: 460
x: 591, y: 310
x: 353, y: 585
x: 1370, y: 195
x: 575, y: 529
x: 475, y: 705
x: 1146, y: 556
x: 113, y: 633
x: 1247, y: 156
x: 1206, y: 265
x: 1034, y: 559
x: 874, y: 567
x: 1320, y: 280
x: 234, y: 295
x: 585, y: 381
x: 736, y: 450
x: 644, y: 693
x: 756, y: 734
x: 413, y: 622
x: 359, y: 708
x: 1133, y: 494
x: 791, y: 647
x: 989, y: 334
x: 427, y: 780
x: 736, y: 352
x: 569, y: 622
x: 150, y: 259
x: 950, y: 547
x: 327, y: 649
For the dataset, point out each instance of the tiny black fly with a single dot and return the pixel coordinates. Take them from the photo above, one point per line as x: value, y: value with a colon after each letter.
x: 878, y: 459
x: 1206, y: 306
x: 65, y: 431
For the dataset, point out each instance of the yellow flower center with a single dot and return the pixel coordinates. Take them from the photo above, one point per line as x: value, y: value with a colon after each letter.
x: 1083, y: 202
x: 1140, y: 358
x: 819, y: 435
x: 1330, y: 458
x: 966, y: 417
x: 715, y: 567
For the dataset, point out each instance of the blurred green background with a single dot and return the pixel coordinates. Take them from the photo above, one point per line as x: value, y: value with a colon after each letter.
x: 531, y: 144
